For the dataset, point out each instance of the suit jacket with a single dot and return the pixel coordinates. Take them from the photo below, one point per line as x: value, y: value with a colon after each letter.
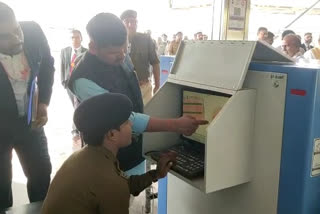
x: 41, y: 62
x: 65, y: 63
x: 305, y: 47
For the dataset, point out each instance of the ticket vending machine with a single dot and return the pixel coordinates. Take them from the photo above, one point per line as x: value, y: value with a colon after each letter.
x: 262, y: 143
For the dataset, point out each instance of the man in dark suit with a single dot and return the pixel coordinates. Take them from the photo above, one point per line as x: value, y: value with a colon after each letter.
x: 26, y: 79
x: 68, y: 58
x: 69, y: 54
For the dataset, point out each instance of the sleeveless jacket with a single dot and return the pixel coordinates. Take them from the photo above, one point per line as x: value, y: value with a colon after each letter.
x: 115, y: 79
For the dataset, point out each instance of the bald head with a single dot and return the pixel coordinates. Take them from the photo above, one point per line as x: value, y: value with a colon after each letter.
x: 291, y: 44
x: 11, y: 36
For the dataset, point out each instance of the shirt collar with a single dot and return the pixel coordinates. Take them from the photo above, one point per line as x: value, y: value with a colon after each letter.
x: 77, y: 49
x: 4, y: 56
x: 297, y: 55
x: 107, y: 153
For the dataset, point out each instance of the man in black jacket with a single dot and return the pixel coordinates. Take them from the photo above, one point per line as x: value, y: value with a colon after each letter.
x: 26, y: 78
x: 107, y: 67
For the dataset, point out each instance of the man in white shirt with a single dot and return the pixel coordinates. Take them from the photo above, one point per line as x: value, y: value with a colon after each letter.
x: 287, y: 32
x: 291, y: 46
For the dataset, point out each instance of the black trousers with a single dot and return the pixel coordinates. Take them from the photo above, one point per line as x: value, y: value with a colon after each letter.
x: 32, y: 150
x: 72, y: 98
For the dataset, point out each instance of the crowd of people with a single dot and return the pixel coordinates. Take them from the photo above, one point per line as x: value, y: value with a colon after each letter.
x: 166, y: 47
x: 300, y: 49
x: 292, y: 44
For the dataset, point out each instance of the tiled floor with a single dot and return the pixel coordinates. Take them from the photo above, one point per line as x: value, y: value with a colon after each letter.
x: 60, y: 144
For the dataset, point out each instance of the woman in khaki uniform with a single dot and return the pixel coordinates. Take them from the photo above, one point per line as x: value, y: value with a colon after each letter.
x: 90, y: 180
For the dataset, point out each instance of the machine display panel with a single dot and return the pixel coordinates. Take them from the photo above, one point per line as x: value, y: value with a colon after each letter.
x: 203, y: 106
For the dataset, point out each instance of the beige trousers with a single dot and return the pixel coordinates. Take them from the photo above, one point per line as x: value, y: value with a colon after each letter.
x: 146, y: 91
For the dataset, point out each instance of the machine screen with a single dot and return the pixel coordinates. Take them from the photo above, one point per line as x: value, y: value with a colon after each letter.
x: 202, y: 106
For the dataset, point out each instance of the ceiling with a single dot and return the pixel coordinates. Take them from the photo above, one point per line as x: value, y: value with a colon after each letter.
x: 286, y: 6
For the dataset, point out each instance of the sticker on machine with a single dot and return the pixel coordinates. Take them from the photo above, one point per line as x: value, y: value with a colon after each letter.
x: 316, y: 158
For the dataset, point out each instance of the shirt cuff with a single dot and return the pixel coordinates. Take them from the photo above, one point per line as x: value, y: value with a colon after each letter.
x: 139, y: 122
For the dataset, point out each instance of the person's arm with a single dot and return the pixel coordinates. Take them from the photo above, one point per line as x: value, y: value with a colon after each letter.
x: 156, y: 76
x: 46, y: 69
x: 167, y: 48
x: 137, y: 183
x: 84, y: 89
x: 46, y: 73
x: 154, y: 62
x: 170, y: 49
x: 185, y: 125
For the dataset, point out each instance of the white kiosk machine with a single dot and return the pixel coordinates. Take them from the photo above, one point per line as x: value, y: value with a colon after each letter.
x: 258, y: 153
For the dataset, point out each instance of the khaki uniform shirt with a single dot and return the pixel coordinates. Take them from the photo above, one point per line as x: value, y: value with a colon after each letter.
x: 173, y: 47
x: 143, y: 54
x: 90, y: 181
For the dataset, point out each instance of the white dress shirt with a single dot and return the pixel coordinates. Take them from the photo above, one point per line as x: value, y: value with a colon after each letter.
x: 76, y: 51
x: 18, y: 71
